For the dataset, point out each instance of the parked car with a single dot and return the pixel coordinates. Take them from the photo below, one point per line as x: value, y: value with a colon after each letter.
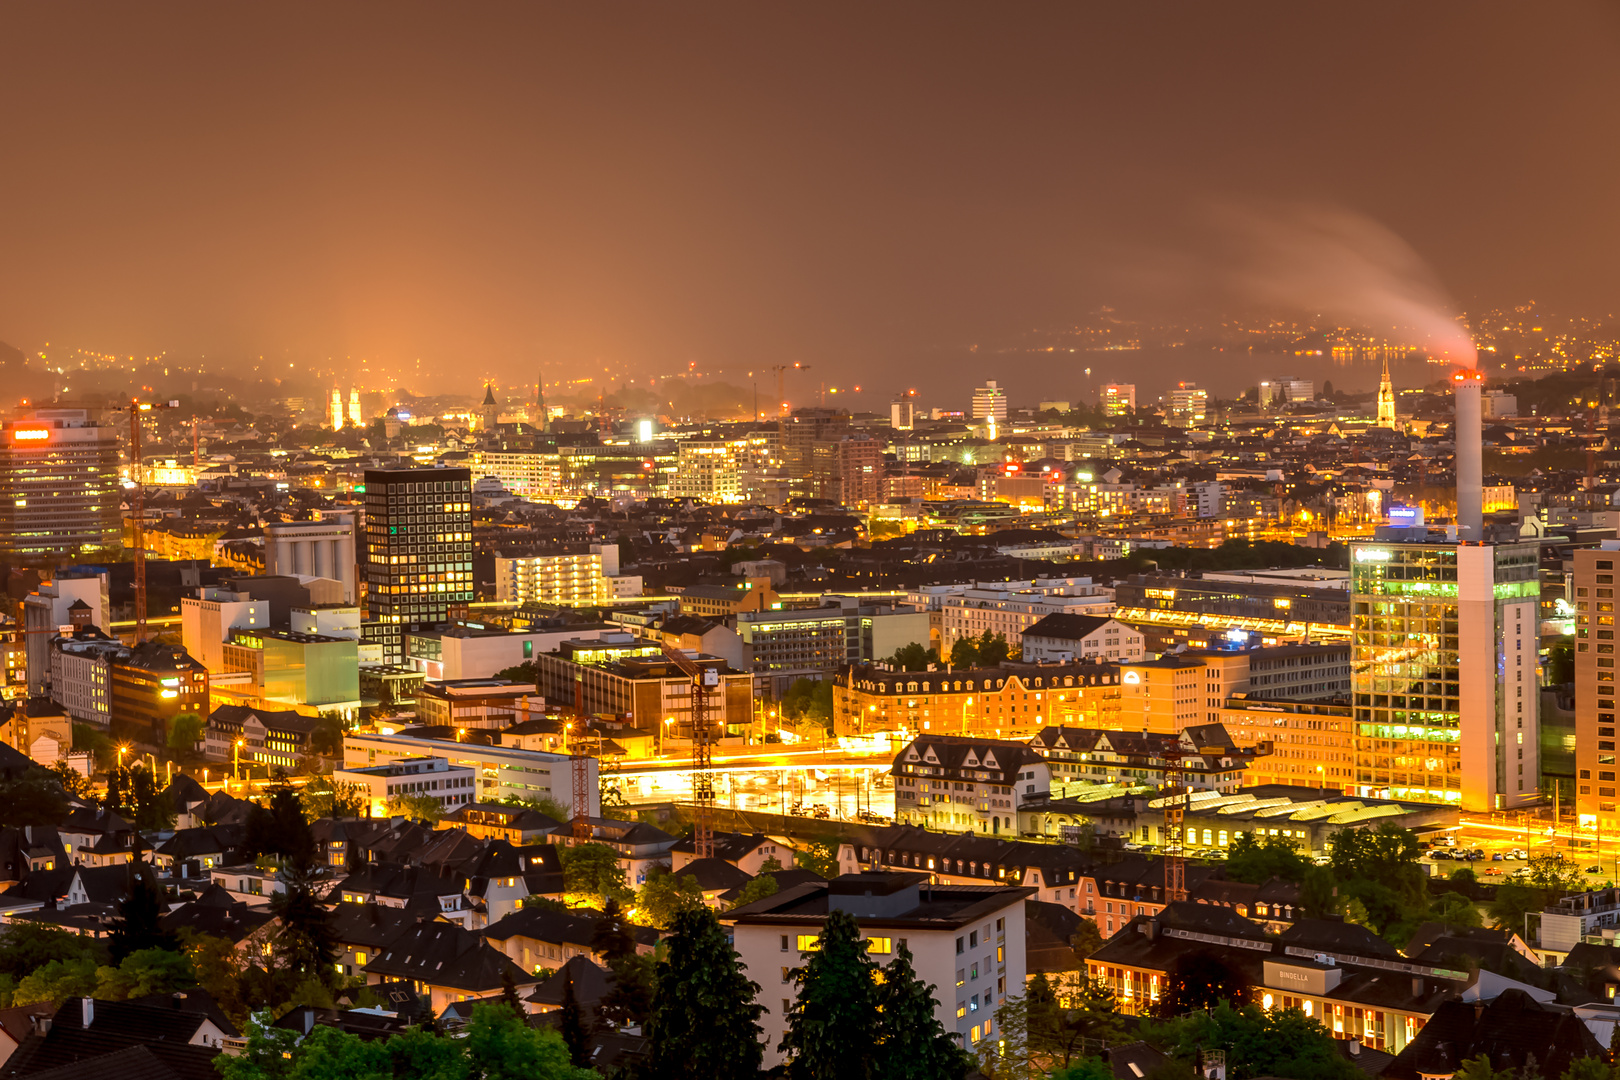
x: 1496, y: 856
x: 1593, y: 870
x: 1493, y: 871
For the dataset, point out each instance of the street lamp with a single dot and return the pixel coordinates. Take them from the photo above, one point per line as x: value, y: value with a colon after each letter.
x: 236, y: 758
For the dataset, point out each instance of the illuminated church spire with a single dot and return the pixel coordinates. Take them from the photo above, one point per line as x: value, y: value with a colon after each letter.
x: 1386, y: 399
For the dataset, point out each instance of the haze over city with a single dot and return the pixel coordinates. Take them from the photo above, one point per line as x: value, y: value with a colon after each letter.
x: 888, y: 194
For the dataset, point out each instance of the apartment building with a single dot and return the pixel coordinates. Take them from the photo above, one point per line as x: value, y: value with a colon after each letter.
x: 569, y: 578
x: 1012, y: 608
x: 1311, y: 743
x: 1592, y: 590
x: 151, y: 686
x: 451, y: 786
x: 965, y: 940
x: 1013, y: 701
x: 954, y: 783
x: 630, y: 679
x: 207, y: 620
x: 1061, y: 638
x: 502, y: 772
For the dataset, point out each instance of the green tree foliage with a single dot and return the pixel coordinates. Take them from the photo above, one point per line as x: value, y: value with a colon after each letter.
x: 1455, y: 910
x: 134, y: 794
x: 761, y: 887
x: 664, y: 896
x: 1258, y: 861
x: 185, y: 732
x: 304, y: 948
x: 218, y: 969
x: 25, y: 947
x: 704, y: 1020
x: 1548, y: 879
x: 575, y: 1028
x: 809, y: 699
x: 1379, y: 869
x: 832, y: 1025
x: 613, y: 937
x: 416, y: 807
x: 324, y: 797
x: 496, y: 1046
x: 1479, y: 1068
x: 593, y: 870
x: 56, y: 981
x: 279, y: 828
x: 149, y: 971
x: 1200, y: 980
x: 94, y: 741
x: 1086, y: 940
x: 631, y: 999
x: 1589, y: 1068
x: 985, y: 651
x: 327, y: 737
x: 553, y: 809
x: 136, y: 927
x: 913, y: 657
x: 1244, y: 555
x: 1257, y: 1042
x: 820, y: 857
x: 1092, y: 1068
x: 70, y: 780
x: 911, y: 1042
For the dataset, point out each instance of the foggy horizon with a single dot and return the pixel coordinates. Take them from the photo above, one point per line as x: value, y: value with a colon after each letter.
x: 895, y: 197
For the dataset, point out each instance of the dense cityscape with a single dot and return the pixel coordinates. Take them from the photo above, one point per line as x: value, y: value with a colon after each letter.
x: 547, y: 544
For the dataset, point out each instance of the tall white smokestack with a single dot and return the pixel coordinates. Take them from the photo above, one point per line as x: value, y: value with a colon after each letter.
x: 1469, y: 438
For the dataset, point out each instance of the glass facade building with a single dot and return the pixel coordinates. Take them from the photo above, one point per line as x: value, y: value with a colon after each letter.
x: 1444, y: 671
x: 418, y: 551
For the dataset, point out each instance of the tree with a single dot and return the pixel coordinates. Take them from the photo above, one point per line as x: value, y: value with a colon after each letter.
x: 1455, y: 910
x: 422, y: 1054
x: 329, y: 1053
x: 612, y: 937
x: 149, y: 971
x: 279, y: 828
x: 1255, y: 861
x: 267, y: 1055
x: 304, y: 948
x: 965, y: 653
x: 1092, y: 1068
x: 1086, y: 939
x: 217, y: 967
x: 1479, y: 1068
x: 1085, y: 1015
x: 323, y: 797
x: 993, y: 651
x: 592, y: 870
x: 501, y: 1046
x: 809, y: 699
x: 631, y: 999
x: 136, y: 927
x: 56, y: 981
x: 26, y: 946
x: 913, y: 657
x: 832, y: 1025
x: 1201, y: 979
x: 758, y: 889
x: 574, y: 1027
x: 416, y: 807
x: 912, y: 1044
x: 704, y: 1019
x: 666, y: 895
x: 1588, y: 1068
x: 34, y: 799
x: 185, y: 732
x: 820, y: 857
x: 134, y: 794
x: 1257, y: 1042
x: 70, y: 780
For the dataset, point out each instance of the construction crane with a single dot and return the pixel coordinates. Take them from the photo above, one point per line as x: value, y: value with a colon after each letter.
x: 705, y: 681
x: 1175, y: 815
x: 136, y: 410
x: 581, y: 767
x: 781, y: 394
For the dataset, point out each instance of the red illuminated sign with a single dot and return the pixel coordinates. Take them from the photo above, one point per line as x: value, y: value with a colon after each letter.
x: 25, y: 434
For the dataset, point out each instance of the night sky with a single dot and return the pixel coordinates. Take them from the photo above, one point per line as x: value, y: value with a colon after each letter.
x: 872, y: 189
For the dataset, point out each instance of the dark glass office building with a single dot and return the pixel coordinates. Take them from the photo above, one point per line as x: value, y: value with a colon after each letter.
x: 418, y: 551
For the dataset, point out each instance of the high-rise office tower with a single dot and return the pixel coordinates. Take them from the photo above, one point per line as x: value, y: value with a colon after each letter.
x: 1189, y: 406
x: 903, y: 413
x: 990, y: 402
x: 1119, y: 399
x: 337, y: 409
x: 355, y: 419
x: 418, y: 550
x: 1386, y: 399
x: 1595, y: 769
x: 1444, y: 669
x: 58, y: 486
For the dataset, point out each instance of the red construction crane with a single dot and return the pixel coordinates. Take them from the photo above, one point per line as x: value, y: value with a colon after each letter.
x: 138, y: 504
x: 705, y: 681
x: 1175, y: 814
x: 582, y: 767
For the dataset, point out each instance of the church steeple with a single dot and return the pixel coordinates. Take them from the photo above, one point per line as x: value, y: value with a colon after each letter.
x: 1386, y: 399
x: 492, y: 410
x: 540, y: 403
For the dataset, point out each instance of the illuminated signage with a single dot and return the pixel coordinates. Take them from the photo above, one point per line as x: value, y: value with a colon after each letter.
x: 1371, y: 555
x: 1132, y: 677
x: 1160, y: 594
x: 30, y: 434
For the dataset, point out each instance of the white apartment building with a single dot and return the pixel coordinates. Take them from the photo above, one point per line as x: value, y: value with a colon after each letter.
x: 568, y: 578
x: 501, y: 771
x: 207, y: 619
x: 965, y: 940
x: 452, y: 786
x: 1065, y: 638
x: 707, y: 470
x: 81, y: 677
x: 1119, y: 399
x: 1009, y: 608
x: 952, y: 783
x: 47, y: 610
x: 990, y: 402
x: 1188, y: 406
x: 523, y: 473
